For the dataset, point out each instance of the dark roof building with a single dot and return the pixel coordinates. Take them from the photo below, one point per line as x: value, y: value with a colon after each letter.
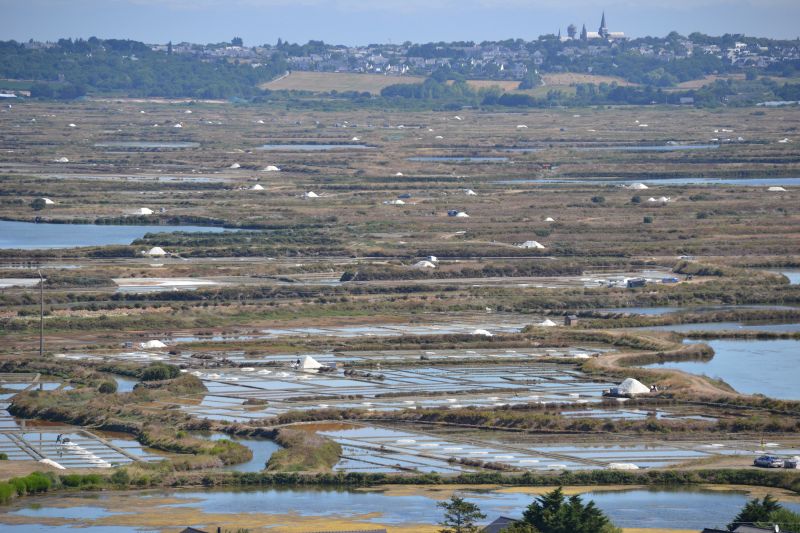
x: 499, y: 525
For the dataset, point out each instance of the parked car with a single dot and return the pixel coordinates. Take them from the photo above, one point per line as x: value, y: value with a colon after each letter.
x: 791, y: 463
x: 768, y: 461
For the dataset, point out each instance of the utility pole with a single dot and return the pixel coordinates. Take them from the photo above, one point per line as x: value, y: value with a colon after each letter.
x: 41, y: 314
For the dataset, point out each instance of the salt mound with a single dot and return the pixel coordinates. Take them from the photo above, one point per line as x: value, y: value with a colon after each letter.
x: 152, y: 344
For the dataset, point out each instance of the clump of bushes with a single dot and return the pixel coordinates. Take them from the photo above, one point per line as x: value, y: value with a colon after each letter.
x: 160, y: 372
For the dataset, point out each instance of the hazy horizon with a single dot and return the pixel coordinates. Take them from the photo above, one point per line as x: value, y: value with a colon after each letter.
x: 350, y: 22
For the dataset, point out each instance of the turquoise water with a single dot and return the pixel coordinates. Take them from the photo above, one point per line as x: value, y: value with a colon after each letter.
x: 32, y: 236
x: 768, y: 367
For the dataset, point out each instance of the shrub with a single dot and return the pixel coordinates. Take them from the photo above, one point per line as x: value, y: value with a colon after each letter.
x: 160, y: 371
x: 648, y: 219
x: 38, y: 204
x: 598, y: 199
x: 108, y: 387
x: 120, y: 477
x: 636, y: 199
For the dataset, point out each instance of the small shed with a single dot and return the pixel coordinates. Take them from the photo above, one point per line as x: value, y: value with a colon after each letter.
x: 571, y: 320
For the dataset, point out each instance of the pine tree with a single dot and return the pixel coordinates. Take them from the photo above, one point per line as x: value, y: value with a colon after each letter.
x: 460, y: 516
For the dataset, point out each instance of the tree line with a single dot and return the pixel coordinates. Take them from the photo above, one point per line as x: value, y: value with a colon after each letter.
x: 70, y: 69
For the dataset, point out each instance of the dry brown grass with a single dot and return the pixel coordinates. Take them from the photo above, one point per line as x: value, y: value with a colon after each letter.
x: 337, y: 81
x: 570, y: 78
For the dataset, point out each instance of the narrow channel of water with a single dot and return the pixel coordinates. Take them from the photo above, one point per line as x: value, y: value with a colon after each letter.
x: 33, y: 236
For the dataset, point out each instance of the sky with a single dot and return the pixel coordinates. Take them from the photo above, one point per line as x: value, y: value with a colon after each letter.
x: 353, y: 22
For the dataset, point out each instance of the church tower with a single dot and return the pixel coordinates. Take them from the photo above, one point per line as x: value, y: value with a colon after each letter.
x: 584, y: 35
x: 603, y: 31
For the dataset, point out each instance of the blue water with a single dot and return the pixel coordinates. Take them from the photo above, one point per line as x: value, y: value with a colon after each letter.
x: 698, y: 309
x: 146, y: 144
x: 755, y: 182
x: 793, y: 275
x: 769, y: 367
x: 262, y: 450
x: 656, y: 508
x: 125, y: 384
x: 311, y: 147
x: 657, y: 148
x: 457, y: 159
x: 725, y: 326
x: 32, y: 236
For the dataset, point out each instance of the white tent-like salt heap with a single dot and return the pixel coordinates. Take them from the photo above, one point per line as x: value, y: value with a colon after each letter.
x: 309, y: 363
x: 47, y: 201
x: 531, y: 244
x: 257, y: 187
x: 61, y: 160
x: 144, y: 211
x: 547, y: 323
x: 639, y: 186
x: 311, y: 194
x: 549, y: 219
x: 156, y: 251
x: 235, y: 165
x: 462, y: 214
x: 622, y: 466
x: 470, y: 192
x: 776, y: 189
x: 395, y: 202
x: 149, y: 345
x: 423, y: 264
x: 271, y: 168
x: 483, y: 332
x: 632, y: 387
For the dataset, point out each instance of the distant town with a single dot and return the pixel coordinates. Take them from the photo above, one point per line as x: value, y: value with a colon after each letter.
x: 605, y: 66
x: 510, y: 59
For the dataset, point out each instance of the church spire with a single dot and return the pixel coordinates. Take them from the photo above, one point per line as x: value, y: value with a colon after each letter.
x: 603, y: 31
